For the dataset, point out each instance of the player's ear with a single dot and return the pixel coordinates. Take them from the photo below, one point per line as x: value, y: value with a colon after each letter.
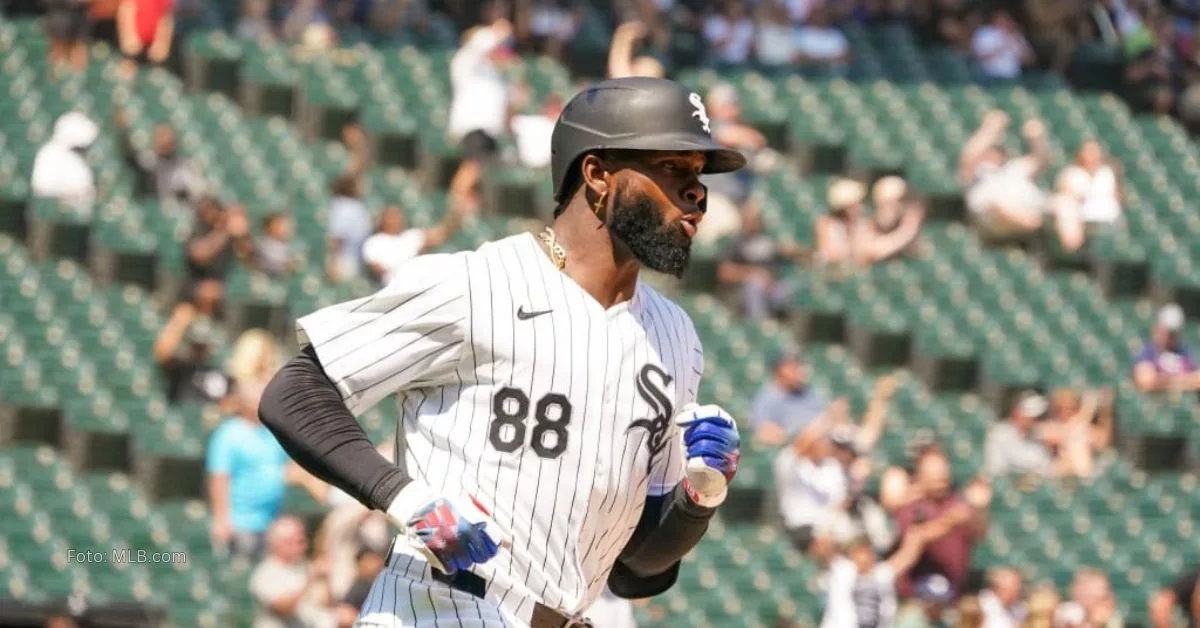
x: 595, y: 177
x: 597, y: 183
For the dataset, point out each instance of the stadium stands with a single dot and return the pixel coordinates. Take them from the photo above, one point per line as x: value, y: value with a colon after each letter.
x: 93, y: 455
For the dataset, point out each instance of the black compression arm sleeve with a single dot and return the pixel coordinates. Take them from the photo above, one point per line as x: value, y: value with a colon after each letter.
x: 305, y: 412
x: 671, y: 525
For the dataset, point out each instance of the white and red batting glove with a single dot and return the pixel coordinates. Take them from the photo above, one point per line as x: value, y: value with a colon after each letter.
x: 452, y: 533
x: 711, y: 439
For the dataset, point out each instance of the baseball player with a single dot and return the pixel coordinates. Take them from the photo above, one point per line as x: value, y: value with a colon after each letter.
x: 550, y: 440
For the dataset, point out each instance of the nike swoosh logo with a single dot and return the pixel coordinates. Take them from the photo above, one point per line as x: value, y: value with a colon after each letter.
x: 523, y: 315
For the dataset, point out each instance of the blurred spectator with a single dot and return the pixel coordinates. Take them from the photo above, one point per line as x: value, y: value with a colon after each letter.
x: 368, y: 564
x: 255, y: 358
x: 354, y: 140
x: 621, y: 60
x: 1154, y: 72
x: 1089, y: 193
x: 307, y: 22
x: 275, y: 253
x: 1016, y: 446
x: 1180, y: 595
x: 730, y: 33
x: 970, y: 613
x: 1054, y: 27
x: 862, y: 589
x: 663, y: 22
x: 932, y: 597
x: 219, y: 235
x: 183, y: 348
x: 999, y: 48
x: 1002, y: 602
x: 391, y: 20
x: 786, y: 405
x: 245, y: 468
x: 822, y: 477
x: 1164, y: 363
x: 145, y: 30
x: 896, y: 486
x: 102, y: 14
x: 552, y: 24
x: 165, y: 173
x: 255, y: 22
x: 754, y: 263
x: 1043, y: 602
x: 532, y: 133
x: 821, y: 44
x: 1092, y: 603
x: 1076, y: 428
x: 813, y: 486
x: 479, y: 110
x: 67, y: 27
x: 289, y: 591
x: 60, y: 168
x: 945, y: 23
x: 349, y: 528
x: 611, y: 611
x: 1113, y: 20
x: 724, y: 108
x: 799, y: 10
x: 1002, y: 194
x: 842, y: 235
x: 394, y: 244
x: 896, y: 223
x: 480, y: 103
x: 349, y: 227
x: 950, y: 555
x: 775, y: 37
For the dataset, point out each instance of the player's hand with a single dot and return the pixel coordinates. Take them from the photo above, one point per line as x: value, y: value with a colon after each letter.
x: 713, y: 450
x: 455, y: 533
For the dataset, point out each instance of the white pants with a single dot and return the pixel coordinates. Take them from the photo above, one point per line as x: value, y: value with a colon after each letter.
x: 405, y: 595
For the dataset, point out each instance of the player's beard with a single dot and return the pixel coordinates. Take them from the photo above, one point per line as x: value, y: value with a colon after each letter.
x: 656, y: 244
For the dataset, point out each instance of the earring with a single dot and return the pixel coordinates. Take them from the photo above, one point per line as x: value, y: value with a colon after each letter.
x: 598, y: 207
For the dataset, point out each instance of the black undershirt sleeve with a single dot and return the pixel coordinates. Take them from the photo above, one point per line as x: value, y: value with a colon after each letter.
x: 670, y: 526
x: 305, y: 412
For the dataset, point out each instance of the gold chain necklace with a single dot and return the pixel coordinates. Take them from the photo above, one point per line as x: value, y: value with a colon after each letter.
x: 557, y: 254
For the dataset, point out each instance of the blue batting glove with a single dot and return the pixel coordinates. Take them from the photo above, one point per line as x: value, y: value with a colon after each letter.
x: 455, y: 534
x: 712, y: 442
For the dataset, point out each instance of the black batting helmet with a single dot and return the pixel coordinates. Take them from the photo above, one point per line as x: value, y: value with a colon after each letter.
x: 634, y: 113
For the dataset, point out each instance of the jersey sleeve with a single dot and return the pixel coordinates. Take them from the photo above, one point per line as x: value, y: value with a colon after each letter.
x: 667, y: 468
x: 408, y: 335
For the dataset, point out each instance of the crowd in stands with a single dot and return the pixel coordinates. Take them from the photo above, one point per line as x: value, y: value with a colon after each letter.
x: 898, y: 554
x: 1007, y: 203
x: 904, y: 558
x: 1151, y: 42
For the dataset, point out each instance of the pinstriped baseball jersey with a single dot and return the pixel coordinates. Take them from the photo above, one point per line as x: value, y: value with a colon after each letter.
x: 517, y: 387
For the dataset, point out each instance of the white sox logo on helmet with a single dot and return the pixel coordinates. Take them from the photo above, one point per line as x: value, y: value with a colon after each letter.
x: 700, y: 113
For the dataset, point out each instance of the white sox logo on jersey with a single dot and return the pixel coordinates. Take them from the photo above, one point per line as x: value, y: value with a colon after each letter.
x: 652, y: 393
x: 700, y: 113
